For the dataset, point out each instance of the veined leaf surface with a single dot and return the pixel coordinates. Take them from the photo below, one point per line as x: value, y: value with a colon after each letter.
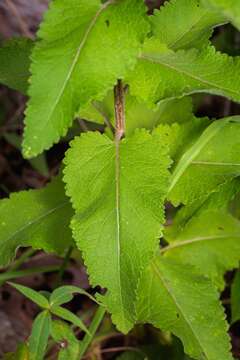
x: 118, y: 194
x: 84, y: 47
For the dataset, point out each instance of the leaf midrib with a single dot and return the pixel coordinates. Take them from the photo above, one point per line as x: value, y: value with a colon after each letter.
x: 160, y: 61
x: 37, y: 220
x: 183, y: 243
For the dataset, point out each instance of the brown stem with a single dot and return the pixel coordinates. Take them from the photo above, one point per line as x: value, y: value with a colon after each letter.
x: 119, y: 110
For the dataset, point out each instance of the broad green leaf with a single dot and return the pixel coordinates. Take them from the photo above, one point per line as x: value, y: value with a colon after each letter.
x: 64, y: 294
x: 192, y: 29
x: 15, y: 62
x: 69, y: 316
x: 39, y: 337
x: 228, y: 8
x: 162, y: 73
x: 118, y: 194
x: 220, y: 199
x: 175, y: 298
x: 37, y: 218
x: 137, y: 114
x: 211, y: 161
x: 33, y: 295
x: 214, y: 236
x: 84, y: 48
x: 63, y: 334
x: 235, y: 298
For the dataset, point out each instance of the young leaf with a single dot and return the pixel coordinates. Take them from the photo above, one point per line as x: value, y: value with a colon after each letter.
x: 175, y: 298
x: 64, y: 294
x: 63, y: 334
x: 211, y: 161
x: 192, y: 29
x: 118, y: 195
x: 214, y: 236
x: 69, y: 316
x: 39, y: 337
x: 235, y: 298
x: 84, y: 48
x: 22, y: 353
x: 228, y: 8
x: 162, y: 73
x: 39, y: 213
x: 15, y: 63
x: 33, y: 295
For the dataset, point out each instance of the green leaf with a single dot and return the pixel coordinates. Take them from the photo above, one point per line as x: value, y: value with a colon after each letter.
x: 21, y: 353
x: 214, y: 236
x: 84, y: 48
x: 15, y: 63
x: 235, y: 298
x: 39, y: 337
x: 39, y: 213
x: 69, y: 316
x: 228, y: 8
x: 175, y: 298
x: 162, y: 73
x: 64, y: 294
x: 211, y: 161
x: 33, y: 295
x: 118, y: 195
x: 63, y: 334
x: 192, y: 29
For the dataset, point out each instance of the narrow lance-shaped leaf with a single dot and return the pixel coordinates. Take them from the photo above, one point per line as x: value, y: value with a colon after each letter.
x: 192, y: 29
x: 174, y: 298
x: 33, y: 295
x: 84, y: 48
x: 162, y: 73
x: 211, y: 161
x: 64, y: 294
x: 39, y: 337
x: 15, y: 63
x: 39, y: 216
x: 118, y: 196
x: 69, y: 316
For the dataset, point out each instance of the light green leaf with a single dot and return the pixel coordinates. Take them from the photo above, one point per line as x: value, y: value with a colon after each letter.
x: 228, y: 8
x: 33, y: 295
x: 118, y: 194
x: 37, y: 224
x: 175, y: 298
x: 39, y: 337
x: 84, y: 48
x: 214, y: 236
x: 211, y: 161
x: 21, y: 353
x: 192, y: 29
x: 162, y: 73
x: 15, y: 62
x: 235, y: 298
x: 64, y: 294
x: 69, y: 316
x: 63, y: 334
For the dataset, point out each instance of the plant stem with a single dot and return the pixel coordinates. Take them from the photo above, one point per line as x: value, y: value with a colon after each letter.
x: 119, y: 110
x: 17, y: 263
x: 98, y: 317
x: 64, y: 265
x: 28, y: 272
